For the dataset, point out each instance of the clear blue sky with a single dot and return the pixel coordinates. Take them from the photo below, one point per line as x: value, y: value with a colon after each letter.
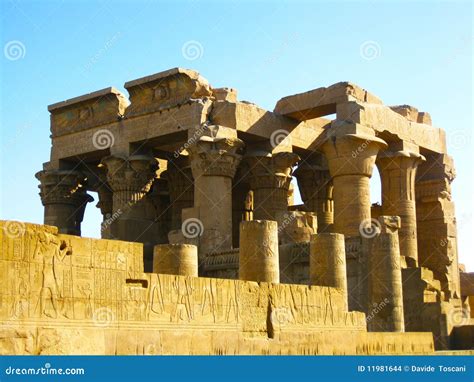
x: 423, y: 57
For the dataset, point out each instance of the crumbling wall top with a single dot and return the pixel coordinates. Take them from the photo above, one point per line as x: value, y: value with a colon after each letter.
x: 322, y: 101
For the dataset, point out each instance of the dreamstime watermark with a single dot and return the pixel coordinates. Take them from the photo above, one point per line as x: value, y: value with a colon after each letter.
x: 103, y: 139
x: 361, y: 148
x: 285, y: 44
x: 110, y: 218
x: 376, y: 309
x: 96, y: 57
x: 280, y: 137
x: 288, y: 219
x: 281, y: 316
x: 458, y: 139
x: 103, y: 317
x: 47, y: 369
x: 370, y: 50
x: 14, y: 229
x: 14, y: 50
x: 458, y: 317
x: 192, y: 228
x: 192, y: 50
x: 369, y: 228
x: 195, y: 137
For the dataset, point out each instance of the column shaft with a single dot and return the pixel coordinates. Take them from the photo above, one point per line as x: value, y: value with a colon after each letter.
x: 397, y: 171
x: 175, y: 259
x: 327, y: 262
x: 258, y: 257
x: 385, y: 311
x: 214, y: 159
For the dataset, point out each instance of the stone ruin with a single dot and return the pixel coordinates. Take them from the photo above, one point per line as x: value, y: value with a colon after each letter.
x: 203, y: 250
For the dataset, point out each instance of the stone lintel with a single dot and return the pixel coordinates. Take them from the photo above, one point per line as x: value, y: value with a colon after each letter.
x: 322, y: 101
x: 165, y: 74
x: 166, y: 89
x: 84, y: 112
x: 85, y: 97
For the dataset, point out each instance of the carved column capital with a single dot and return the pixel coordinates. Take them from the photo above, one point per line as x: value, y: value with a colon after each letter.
x: 314, y: 181
x: 62, y: 187
x: 215, y: 156
x: 352, y: 154
x: 272, y: 171
x: 64, y: 196
x: 316, y: 189
x: 270, y: 177
x: 130, y: 178
x: 398, y: 171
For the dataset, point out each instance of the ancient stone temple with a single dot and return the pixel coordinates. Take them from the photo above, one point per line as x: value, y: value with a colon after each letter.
x: 203, y: 249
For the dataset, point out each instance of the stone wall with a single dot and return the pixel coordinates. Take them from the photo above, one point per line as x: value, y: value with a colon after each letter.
x: 64, y: 294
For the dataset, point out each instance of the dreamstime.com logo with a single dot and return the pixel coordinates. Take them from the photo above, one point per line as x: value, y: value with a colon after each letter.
x: 44, y: 370
x: 14, y: 229
x: 192, y: 228
x: 369, y: 228
x: 192, y: 50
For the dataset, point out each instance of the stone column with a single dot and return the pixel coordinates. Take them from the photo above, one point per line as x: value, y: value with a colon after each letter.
x: 130, y: 179
x: 397, y: 172
x: 351, y: 158
x: 316, y: 190
x: 385, y: 310
x: 105, y: 203
x: 134, y: 215
x: 242, y: 202
x: 270, y: 178
x: 181, y: 188
x: 214, y: 159
x: 350, y: 151
x: 176, y: 259
x: 160, y: 200
x: 64, y: 198
x: 327, y: 261
x: 258, y: 256
x: 436, y: 222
